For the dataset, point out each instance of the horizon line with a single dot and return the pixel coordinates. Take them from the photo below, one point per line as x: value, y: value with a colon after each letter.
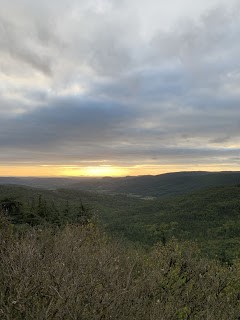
x: 122, y: 176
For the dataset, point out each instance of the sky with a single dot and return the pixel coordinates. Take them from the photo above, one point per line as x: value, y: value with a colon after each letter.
x: 109, y: 87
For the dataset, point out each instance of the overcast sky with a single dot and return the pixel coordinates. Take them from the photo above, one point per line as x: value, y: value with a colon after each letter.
x: 147, y: 85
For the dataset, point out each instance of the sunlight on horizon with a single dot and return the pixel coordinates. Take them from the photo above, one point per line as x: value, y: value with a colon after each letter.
x: 94, y: 171
x: 106, y: 170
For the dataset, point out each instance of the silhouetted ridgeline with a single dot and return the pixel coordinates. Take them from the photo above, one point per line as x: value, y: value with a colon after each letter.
x: 161, y: 185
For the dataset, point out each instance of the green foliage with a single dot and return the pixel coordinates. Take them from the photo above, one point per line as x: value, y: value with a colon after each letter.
x: 12, y: 207
x: 55, y: 263
x: 6, y: 229
x: 210, y: 217
x: 41, y: 208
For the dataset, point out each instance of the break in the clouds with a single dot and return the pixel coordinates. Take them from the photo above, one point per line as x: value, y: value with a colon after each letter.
x: 124, y: 82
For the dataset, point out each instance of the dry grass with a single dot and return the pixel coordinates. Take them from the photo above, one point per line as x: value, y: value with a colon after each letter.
x: 78, y: 273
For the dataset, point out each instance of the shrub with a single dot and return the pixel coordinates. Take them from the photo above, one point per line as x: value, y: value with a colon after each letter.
x: 77, y: 272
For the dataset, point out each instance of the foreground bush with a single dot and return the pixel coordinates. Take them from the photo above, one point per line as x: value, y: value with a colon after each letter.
x: 78, y: 273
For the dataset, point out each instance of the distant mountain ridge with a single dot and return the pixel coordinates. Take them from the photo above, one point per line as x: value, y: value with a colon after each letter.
x: 40, y: 182
x: 168, y: 184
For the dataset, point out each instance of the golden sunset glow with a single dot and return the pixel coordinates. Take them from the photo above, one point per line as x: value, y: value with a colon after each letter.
x: 94, y: 171
x: 29, y: 171
x: 107, y: 170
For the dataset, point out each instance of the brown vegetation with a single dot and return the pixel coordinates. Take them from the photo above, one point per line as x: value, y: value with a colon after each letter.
x: 78, y: 273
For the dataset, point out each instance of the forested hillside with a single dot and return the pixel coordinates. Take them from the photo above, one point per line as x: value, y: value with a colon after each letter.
x: 69, y: 254
x: 163, y: 185
x: 210, y: 217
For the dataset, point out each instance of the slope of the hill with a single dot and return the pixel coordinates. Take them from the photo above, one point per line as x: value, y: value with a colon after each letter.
x: 164, y: 185
x: 211, y: 217
x: 169, y: 184
x: 41, y: 182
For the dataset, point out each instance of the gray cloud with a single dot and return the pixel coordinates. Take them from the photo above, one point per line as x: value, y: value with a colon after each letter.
x: 97, y: 81
x: 14, y: 43
x: 67, y: 119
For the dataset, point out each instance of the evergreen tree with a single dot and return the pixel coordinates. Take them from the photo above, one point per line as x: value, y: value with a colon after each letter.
x: 13, y: 208
x: 84, y: 214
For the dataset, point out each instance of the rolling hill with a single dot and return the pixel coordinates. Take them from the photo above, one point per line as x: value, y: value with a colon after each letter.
x: 211, y: 216
x: 164, y: 185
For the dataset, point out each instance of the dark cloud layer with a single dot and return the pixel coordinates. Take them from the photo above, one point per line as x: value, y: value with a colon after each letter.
x: 94, y: 81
